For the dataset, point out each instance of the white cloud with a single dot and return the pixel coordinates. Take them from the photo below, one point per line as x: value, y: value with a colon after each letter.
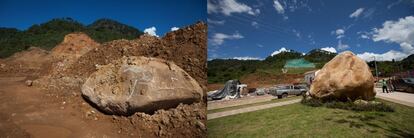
x: 369, y: 12
x: 311, y: 40
x: 255, y: 24
x: 400, y: 32
x: 279, y: 8
x: 364, y: 36
x: 283, y: 49
x: 387, y: 56
x: 257, y: 11
x: 151, y: 31
x: 284, y: 6
x: 342, y: 46
x: 340, y: 36
x: 260, y: 45
x: 219, y: 38
x: 394, y: 4
x: 174, y: 28
x: 215, y: 22
x: 212, y: 8
x: 297, y: 33
x: 340, y: 33
x: 396, y: 31
x: 247, y: 58
x: 329, y: 49
x: 407, y: 48
x: 356, y: 13
x: 227, y: 7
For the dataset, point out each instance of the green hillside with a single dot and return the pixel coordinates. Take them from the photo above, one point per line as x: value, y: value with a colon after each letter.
x: 49, y: 34
x: 220, y: 70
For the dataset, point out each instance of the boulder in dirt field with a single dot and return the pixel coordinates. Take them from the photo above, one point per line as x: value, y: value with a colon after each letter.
x: 345, y: 77
x: 29, y: 83
x: 140, y: 84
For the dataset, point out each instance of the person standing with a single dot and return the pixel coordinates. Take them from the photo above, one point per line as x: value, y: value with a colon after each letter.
x: 389, y: 85
x: 384, y: 86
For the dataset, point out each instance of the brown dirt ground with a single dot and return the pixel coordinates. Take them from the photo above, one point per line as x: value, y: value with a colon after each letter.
x: 28, y: 111
x: 30, y: 63
x: 54, y: 107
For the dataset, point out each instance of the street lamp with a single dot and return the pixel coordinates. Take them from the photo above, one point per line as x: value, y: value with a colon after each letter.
x: 376, y: 69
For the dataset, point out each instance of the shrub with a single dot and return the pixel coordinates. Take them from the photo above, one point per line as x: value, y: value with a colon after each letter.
x: 349, y: 105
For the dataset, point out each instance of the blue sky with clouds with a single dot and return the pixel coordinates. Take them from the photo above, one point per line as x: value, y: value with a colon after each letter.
x: 255, y: 29
x: 160, y: 15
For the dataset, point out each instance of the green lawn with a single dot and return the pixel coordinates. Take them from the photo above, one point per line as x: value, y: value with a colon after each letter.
x: 253, y: 104
x: 299, y: 120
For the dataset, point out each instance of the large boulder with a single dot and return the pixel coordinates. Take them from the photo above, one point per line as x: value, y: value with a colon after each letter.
x: 345, y: 77
x: 140, y: 84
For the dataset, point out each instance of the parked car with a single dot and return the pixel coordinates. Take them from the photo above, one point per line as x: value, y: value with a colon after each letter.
x: 260, y: 91
x: 282, y: 91
x: 404, y: 84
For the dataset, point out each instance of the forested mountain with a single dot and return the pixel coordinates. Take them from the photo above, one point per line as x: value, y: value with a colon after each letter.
x: 221, y: 70
x: 49, y: 34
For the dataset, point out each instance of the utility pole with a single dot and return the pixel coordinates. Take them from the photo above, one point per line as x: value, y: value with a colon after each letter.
x: 376, y: 69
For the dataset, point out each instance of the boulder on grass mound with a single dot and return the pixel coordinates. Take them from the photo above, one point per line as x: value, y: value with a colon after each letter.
x: 140, y: 84
x: 345, y: 77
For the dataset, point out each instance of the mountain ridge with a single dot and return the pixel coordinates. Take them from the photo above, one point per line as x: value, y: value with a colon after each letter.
x: 48, y: 34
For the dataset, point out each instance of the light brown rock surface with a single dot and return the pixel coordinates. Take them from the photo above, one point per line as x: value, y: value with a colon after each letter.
x: 345, y: 77
x: 140, y: 84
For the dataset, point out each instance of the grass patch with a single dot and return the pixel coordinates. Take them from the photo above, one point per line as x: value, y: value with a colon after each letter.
x: 253, y: 104
x: 299, y: 120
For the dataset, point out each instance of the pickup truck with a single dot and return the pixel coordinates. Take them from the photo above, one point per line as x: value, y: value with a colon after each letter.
x: 282, y: 91
x: 404, y: 84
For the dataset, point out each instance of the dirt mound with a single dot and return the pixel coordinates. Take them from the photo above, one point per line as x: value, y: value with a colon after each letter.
x: 183, y: 121
x: 74, y: 45
x: 39, y: 62
x: 185, y: 47
x: 29, y: 62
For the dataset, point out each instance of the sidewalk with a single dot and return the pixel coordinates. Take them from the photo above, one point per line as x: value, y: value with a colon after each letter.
x: 397, y: 97
x: 249, y: 109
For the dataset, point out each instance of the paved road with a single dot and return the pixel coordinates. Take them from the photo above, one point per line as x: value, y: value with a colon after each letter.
x: 397, y: 97
x: 250, y: 109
